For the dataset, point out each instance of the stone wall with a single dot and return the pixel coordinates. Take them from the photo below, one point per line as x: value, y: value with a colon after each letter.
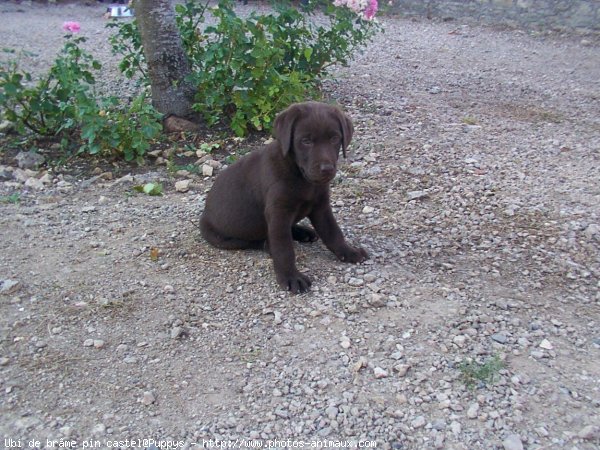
x: 581, y: 15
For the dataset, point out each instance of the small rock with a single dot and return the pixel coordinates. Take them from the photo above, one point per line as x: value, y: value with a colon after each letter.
x: 6, y: 174
x: 207, y: 170
x: 417, y: 195
x: 182, y: 185
x: 4, y: 361
x: 98, y: 343
x: 34, y: 183
x: 46, y: 178
x: 499, y: 337
x: 9, y: 286
x: 368, y: 209
x: 65, y: 431
x: 380, y: 373
x: 546, y: 344
x: 589, y: 432
x: 376, y: 300
x: 439, y: 424
x: 512, y: 442
x: 88, y: 343
x: 353, y: 281
x: 593, y: 229
x: 22, y: 175
x: 362, y: 362
x: 6, y: 126
x: 459, y: 340
x: 169, y: 289
x: 99, y: 429
x: 277, y: 393
x: 331, y: 412
x: 418, y: 422
x: 537, y: 354
x: 148, y: 398
x: 435, y: 90
x: 29, y: 160
x: 456, y: 428
x: 176, y: 332
x: 402, y: 369
x: 473, y: 411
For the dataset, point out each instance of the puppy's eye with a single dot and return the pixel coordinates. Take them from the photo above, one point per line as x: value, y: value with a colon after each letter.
x: 306, y: 141
x: 335, y: 139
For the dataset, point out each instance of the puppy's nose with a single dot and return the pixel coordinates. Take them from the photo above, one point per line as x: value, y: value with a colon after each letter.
x: 327, y: 169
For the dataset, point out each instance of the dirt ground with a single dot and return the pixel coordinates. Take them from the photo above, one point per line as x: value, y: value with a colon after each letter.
x: 474, y: 184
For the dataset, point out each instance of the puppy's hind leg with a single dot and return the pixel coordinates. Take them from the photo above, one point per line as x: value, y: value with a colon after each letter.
x: 227, y: 243
x: 303, y: 233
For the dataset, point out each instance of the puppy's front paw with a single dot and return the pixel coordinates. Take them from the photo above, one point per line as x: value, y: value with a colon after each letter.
x: 352, y: 254
x: 297, y: 283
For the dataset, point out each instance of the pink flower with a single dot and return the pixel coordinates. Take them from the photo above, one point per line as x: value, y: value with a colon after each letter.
x: 71, y: 27
x: 371, y: 10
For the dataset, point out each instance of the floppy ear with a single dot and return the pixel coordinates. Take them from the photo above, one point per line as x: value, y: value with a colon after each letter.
x: 283, y: 128
x: 347, y: 130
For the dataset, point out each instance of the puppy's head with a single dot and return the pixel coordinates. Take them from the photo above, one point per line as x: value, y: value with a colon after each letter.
x: 312, y: 134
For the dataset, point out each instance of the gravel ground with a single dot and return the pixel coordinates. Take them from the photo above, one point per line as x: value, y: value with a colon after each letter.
x: 473, y: 183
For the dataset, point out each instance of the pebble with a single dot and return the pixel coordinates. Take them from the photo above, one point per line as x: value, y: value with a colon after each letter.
x: 35, y: 184
x: 417, y: 195
x: 6, y: 126
x: 512, y: 442
x: 459, y: 340
x: 148, y: 398
x: 439, y: 424
x: 331, y: 412
x: 99, y: 430
x: 29, y: 160
x: 500, y: 338
x: 368, y: 209
x: 418, y: 422
x: 353, y: 281
x: 9, y: 286
x: 380, y: 373
x: 376, y: 300
x: 176, y: 332
x: 402, y: 369
x: 473, y: 411
x: 182, y: 185
x: 207, y: 170
x: 589, y: 432
x: 456, y: 428
x: 546, y: 344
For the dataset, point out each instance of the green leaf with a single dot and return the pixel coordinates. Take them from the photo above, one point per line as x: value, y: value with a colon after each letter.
x: 153, y: 189
x: 308, y: 53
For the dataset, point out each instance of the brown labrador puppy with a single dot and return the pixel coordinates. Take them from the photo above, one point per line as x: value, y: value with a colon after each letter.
x: 260, y: 198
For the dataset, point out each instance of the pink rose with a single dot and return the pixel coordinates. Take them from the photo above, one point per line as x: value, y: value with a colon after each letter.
x: 71, y: 27
x: 371, y: 10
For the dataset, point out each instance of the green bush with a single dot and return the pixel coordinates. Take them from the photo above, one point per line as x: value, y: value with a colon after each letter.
x: 64, y: 105
x: 248, y: 69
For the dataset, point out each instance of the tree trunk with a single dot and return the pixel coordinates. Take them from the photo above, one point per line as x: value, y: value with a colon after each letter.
x: 167, y: 63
